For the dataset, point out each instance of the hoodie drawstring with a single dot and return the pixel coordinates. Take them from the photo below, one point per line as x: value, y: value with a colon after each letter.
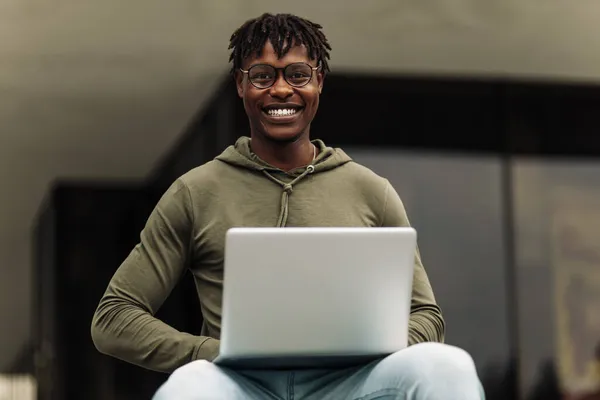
x: 287, y: 191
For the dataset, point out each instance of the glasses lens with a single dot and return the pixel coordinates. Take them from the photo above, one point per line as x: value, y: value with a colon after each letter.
x: 298, y: 74
x: 262, y: 75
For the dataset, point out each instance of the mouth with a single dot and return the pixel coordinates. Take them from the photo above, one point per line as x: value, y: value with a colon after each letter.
x: 282, y: 112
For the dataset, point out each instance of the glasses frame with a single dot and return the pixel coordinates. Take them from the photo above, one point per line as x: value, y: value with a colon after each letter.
x: 282, y: 70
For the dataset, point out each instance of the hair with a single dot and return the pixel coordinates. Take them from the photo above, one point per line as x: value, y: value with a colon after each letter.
x: 283, y: 31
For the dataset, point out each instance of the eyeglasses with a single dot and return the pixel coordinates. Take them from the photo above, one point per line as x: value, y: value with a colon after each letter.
x: 263, y: 76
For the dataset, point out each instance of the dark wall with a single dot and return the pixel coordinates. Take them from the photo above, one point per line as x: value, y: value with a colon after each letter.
x: 552, y: 120
x: 83, y: 234
x: 209, y: 133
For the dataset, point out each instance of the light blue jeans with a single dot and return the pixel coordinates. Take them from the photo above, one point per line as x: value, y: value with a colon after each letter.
x: 427, y: 371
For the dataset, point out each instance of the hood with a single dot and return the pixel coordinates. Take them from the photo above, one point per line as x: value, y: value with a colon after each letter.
x: 240, y: 155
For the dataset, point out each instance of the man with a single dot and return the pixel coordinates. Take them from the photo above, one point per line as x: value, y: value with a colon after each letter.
x: 277, y: 177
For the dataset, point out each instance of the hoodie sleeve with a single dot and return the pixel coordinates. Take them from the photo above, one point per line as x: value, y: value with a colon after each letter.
x: 124, y: 325
x: 426, y: 322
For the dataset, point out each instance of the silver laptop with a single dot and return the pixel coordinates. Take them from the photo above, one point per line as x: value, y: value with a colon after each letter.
x: 315, y: 297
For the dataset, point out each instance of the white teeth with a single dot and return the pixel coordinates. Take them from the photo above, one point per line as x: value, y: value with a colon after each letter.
x: 281, y: 112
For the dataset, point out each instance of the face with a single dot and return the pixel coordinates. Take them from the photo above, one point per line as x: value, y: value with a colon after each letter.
x: 281, y: 112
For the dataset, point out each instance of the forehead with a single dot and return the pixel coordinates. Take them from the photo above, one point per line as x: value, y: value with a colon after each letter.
x: 297, y: 53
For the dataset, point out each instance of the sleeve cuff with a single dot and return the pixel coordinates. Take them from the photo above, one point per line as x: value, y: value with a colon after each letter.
x: 207, y: 350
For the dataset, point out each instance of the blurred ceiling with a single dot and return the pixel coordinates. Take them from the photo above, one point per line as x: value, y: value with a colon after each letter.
x: 103, y: 89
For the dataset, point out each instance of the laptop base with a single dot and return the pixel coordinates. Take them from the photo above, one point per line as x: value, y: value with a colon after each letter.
x: 297, y: 362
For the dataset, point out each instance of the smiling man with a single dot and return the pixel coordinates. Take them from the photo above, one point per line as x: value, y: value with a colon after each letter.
x: 275, y: 177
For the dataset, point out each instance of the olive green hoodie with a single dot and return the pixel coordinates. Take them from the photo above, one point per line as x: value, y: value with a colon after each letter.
x: 186, y: 230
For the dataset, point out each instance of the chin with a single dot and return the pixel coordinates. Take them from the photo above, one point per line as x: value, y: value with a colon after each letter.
x: 283, y: 135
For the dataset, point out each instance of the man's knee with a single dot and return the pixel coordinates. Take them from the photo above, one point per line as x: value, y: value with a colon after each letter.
x: 195, y: 368
x: 434, y: 360
x: 192, y: 381
x: 432, y: 369
x: 440, y: 355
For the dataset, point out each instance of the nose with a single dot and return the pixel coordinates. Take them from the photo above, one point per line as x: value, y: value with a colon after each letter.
x: 281, y: 89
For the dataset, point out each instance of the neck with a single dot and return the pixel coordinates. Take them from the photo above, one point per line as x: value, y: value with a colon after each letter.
x: 284, y: 155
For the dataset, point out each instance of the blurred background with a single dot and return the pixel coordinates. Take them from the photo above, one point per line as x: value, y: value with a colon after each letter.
x: 483, y: 115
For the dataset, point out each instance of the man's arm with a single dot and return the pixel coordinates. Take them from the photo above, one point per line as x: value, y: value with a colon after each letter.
x: 124, y: 325
x: 426, y: 322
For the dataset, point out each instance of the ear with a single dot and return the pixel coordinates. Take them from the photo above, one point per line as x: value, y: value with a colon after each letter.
x: 239, y: 83
x: 320, y: 80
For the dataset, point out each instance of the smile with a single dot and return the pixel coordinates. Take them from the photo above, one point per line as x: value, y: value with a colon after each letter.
x: 282, y: 113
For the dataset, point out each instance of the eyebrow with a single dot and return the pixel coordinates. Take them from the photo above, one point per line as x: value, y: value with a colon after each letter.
x: 295, y: 62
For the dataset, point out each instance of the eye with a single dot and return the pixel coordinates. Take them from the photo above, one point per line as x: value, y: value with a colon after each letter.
x: 298, y: 75
x: 261, y: 75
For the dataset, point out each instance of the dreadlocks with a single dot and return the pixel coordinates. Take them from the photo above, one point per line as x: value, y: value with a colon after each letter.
x: 283, y: 31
